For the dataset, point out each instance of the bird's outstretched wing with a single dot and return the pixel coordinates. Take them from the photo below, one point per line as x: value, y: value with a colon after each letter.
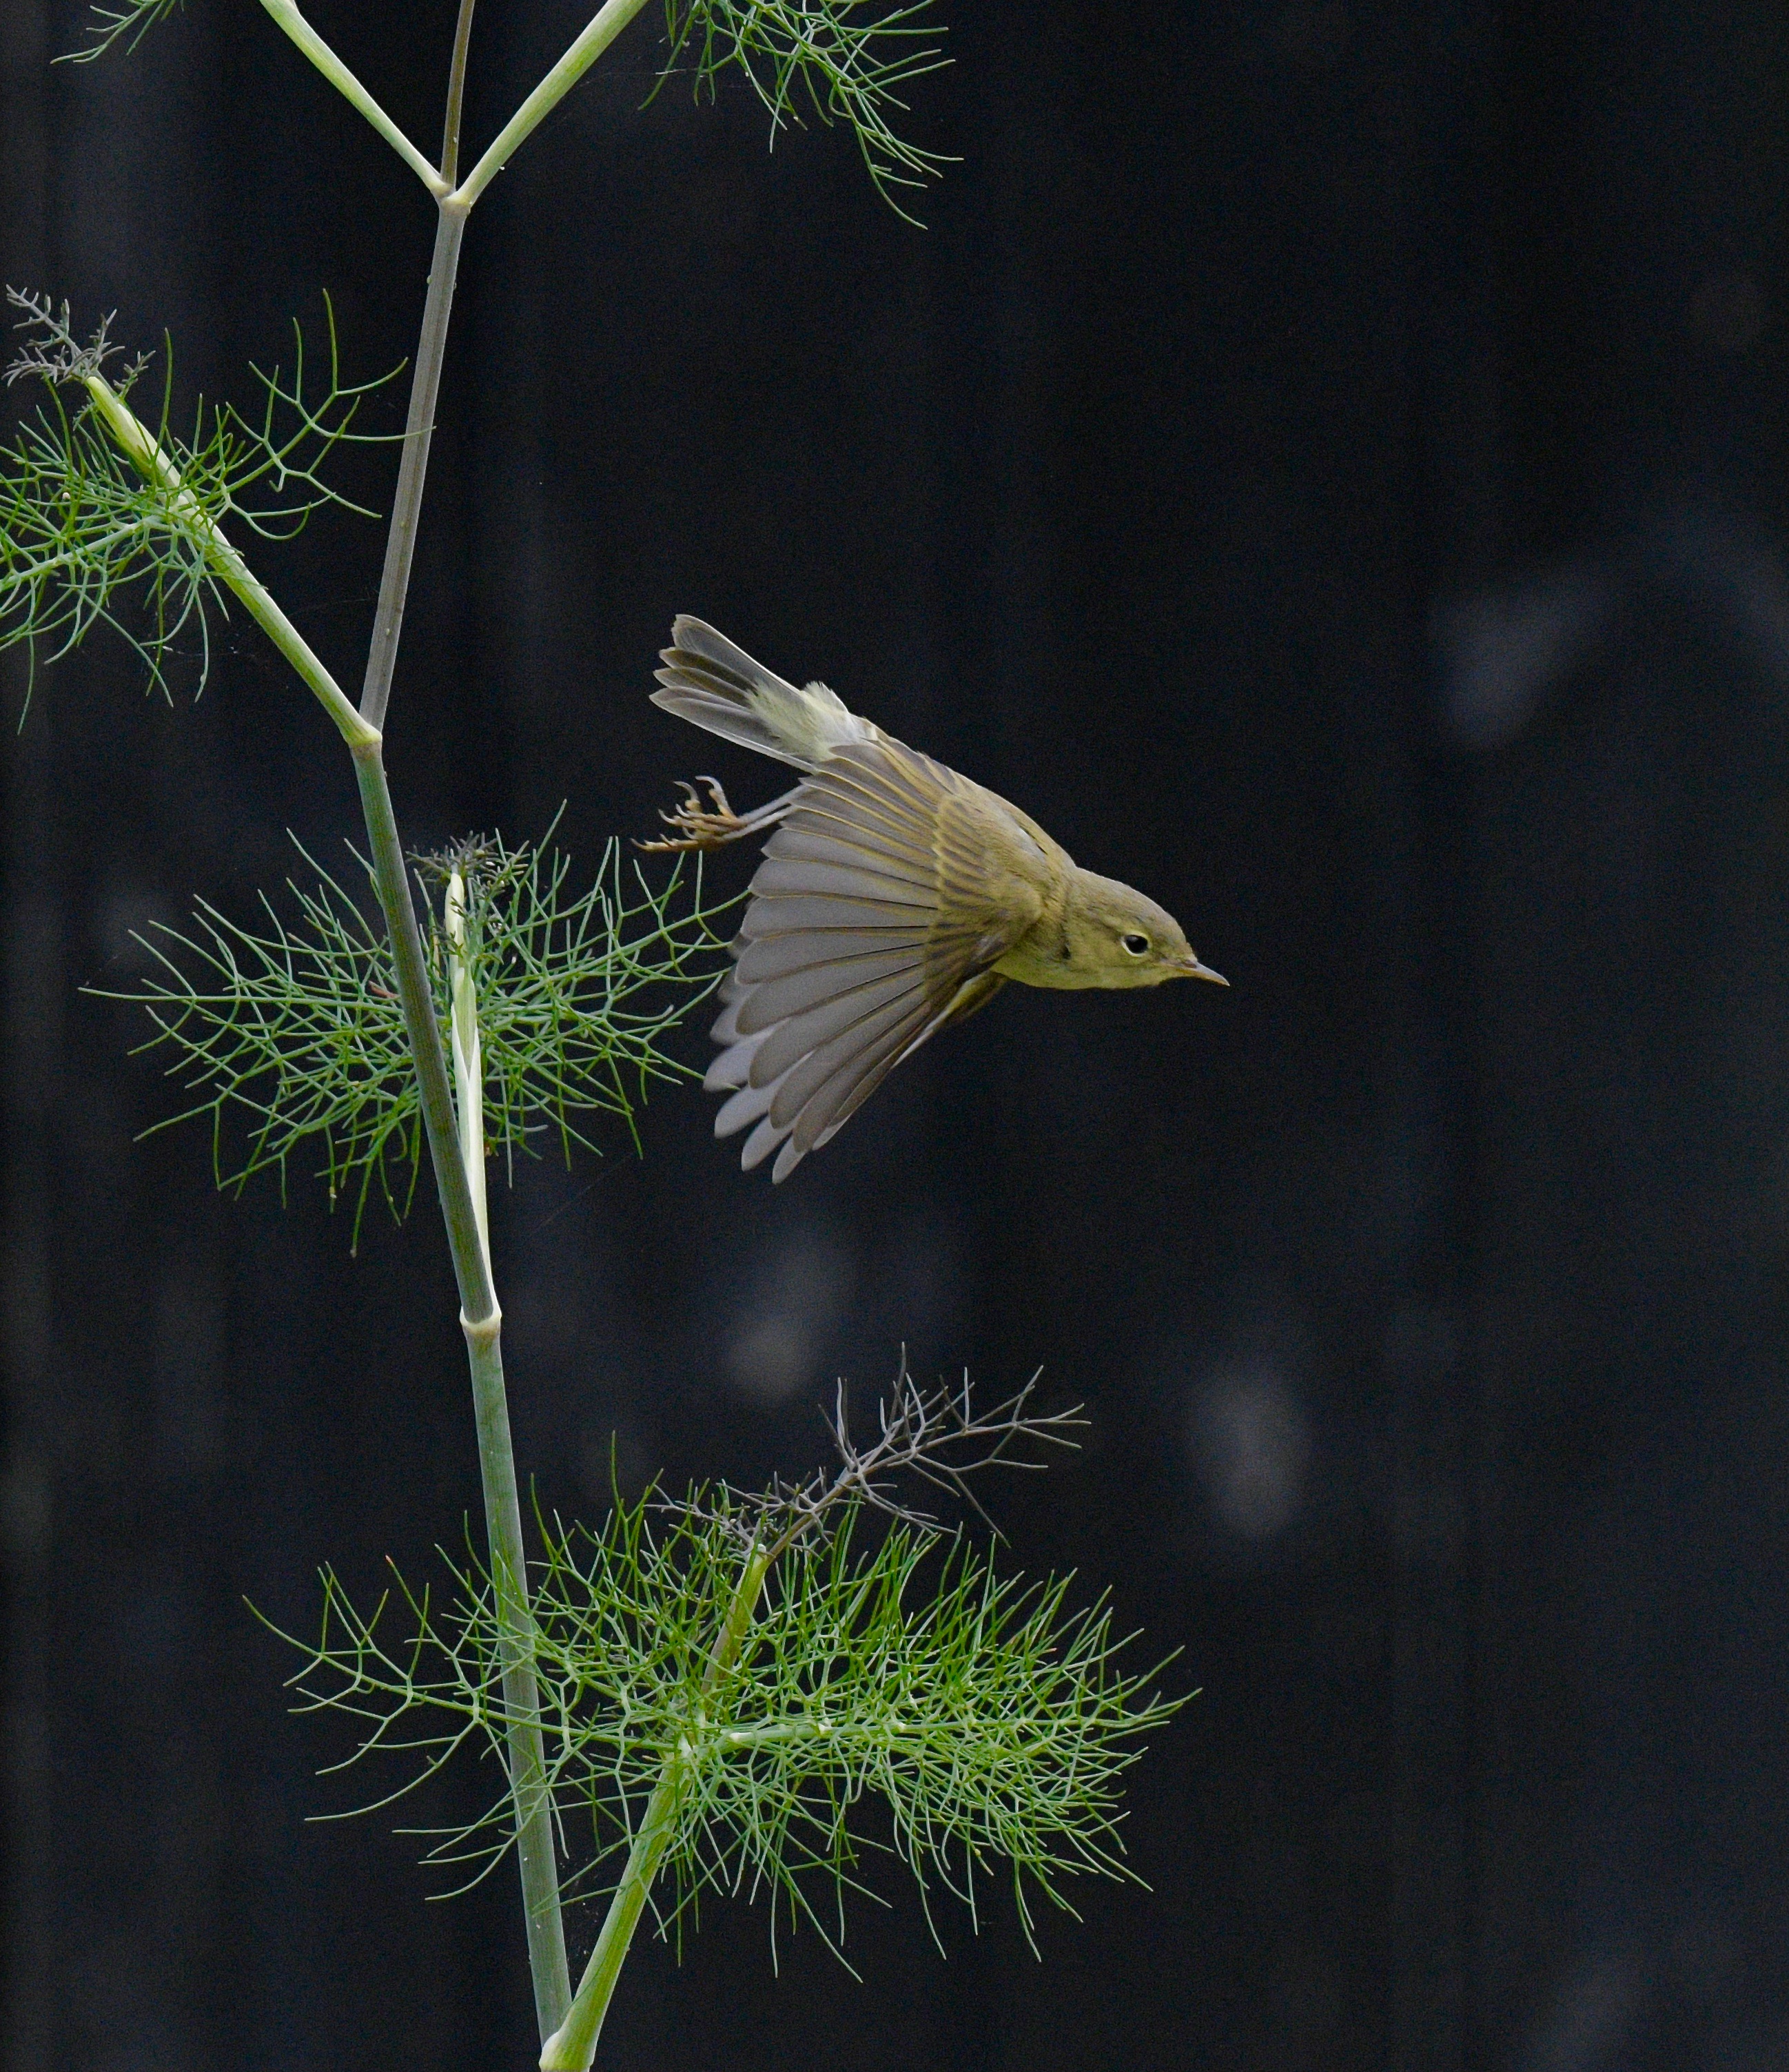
x: 708, y: 681
x: 891, y: 889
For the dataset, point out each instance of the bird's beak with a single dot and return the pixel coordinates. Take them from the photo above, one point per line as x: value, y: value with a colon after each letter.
x: 1192, y: 968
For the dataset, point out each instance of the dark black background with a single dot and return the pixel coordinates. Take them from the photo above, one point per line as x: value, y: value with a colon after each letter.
x: 1325, y: 462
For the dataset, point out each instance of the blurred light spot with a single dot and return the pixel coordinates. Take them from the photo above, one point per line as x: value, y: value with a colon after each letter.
x: 795, y: 1300
x: 769, y: 1357
x: 1253, y: 1442
x: 1726, y: 314
x: 1593, y: 2017
x: 129, y: 921
x: 1502, y: 651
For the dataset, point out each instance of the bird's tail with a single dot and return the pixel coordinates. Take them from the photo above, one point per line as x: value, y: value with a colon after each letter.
x: 711, y: 683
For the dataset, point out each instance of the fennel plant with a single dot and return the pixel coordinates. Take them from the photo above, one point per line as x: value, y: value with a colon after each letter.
x: 713, y: 1685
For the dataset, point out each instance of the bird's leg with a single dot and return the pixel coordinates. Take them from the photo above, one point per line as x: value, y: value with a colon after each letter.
x: 713, y: 826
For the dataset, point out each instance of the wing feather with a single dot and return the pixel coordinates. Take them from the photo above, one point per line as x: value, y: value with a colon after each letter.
x: 775, y: 956
x: 890, y: 889
x: 779, y: 874
x: 853, y: 1020
x: 872, y: 815
x: 745, y: 1106
x: 726, y: 1028
x: 785, y: 914
x: 827, y: 1077
x: 801, y: 993
x: 859, y: 851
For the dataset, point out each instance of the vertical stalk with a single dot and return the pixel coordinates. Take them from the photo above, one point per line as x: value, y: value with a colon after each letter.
x: 527, y: 1775
x: 459, y: 1169
x: 394, y: 583
x: 482, y: 1322
x: 571, y: 2048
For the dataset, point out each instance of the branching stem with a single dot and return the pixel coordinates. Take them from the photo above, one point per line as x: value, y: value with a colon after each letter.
x: 572, y: 2047
x: 286, y: 13
x: 569, y: 2028
x: 581, y: 54
x: 135, y: 439
x: 479, y: 1315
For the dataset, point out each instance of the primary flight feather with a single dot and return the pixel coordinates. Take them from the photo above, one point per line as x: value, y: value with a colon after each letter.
x: 894, y: 897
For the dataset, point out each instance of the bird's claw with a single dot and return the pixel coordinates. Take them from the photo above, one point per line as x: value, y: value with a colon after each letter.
x: 700, y: 827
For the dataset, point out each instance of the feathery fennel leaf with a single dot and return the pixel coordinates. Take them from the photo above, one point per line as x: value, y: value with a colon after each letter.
x: 295, y: 1022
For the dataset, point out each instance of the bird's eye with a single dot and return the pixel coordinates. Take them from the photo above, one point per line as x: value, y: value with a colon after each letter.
x: 1137, y: 945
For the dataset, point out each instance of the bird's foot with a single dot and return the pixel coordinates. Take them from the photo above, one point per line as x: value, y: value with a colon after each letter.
x: 697, y: 826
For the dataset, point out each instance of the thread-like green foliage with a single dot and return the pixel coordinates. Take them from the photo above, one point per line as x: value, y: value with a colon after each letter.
x: 846, y: 61
x: 80, y: 528
x: 128, y: 22
x: 296, y: 1022
x: 990, y: 1720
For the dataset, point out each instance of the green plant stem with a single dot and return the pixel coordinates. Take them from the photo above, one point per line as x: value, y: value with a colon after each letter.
x: 480, y: 1317
x: 456, y: 95
x: 478, y: 1300
x: 136, y: 442
x: 581, y: 54
x: 286, y: 13
x: 572, y: 2047
x: 527, y: 1776
x: 394, y: 583
x: 482, y: 1322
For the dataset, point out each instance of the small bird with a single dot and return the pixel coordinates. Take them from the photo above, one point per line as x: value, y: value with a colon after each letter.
x: 896, y: 896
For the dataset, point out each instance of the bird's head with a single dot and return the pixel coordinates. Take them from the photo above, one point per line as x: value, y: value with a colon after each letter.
x: 1117, y: 937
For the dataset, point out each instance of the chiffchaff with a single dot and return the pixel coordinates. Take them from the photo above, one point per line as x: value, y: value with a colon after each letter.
x: 896, y: 896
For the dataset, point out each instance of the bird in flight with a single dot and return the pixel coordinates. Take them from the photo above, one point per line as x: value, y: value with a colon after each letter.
x: 894, y: 897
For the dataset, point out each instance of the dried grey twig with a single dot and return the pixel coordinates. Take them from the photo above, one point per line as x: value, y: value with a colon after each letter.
x: 935, y: 1435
